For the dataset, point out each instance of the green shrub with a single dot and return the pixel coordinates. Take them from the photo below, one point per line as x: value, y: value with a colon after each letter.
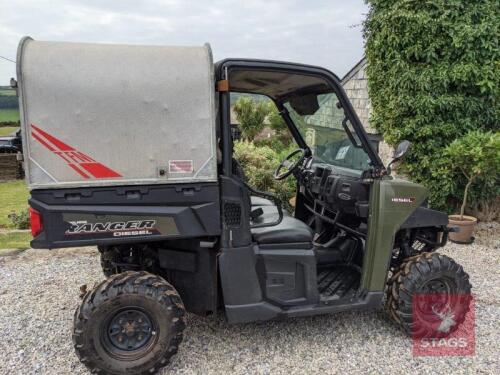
x: 259, y: 164
x: 433, y: 77
x: 20, y: 220
x: 251, y: 115
x: 476, y: 156
x: 274, y: 143
x: 278, y: 125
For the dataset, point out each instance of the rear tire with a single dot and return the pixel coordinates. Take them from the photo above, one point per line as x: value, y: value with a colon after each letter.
x: 130, y: 323
x: 428, y: 273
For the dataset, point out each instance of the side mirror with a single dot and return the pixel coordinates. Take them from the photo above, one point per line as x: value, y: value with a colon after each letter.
x: 400, y: 152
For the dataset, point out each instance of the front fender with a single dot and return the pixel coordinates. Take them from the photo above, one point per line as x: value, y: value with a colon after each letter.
x: 392, y: 201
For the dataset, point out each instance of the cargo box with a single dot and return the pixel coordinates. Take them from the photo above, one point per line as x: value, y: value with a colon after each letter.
x: 104, y: 115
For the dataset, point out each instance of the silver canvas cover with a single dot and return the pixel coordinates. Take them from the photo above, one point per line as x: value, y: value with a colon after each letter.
x: 100, y: 114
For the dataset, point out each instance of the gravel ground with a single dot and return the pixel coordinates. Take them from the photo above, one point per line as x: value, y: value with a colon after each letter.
x: 39, y: 293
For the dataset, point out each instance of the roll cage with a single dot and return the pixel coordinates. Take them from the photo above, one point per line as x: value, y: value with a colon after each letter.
x: 223, y: 71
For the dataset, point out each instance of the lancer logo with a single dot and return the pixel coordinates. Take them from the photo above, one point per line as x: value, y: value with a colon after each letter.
x: 118, y: 228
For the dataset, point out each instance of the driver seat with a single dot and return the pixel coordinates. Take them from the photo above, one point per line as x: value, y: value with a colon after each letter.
x: 289, y: 231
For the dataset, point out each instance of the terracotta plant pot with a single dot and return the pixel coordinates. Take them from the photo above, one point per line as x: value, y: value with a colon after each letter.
x: 466, y: 225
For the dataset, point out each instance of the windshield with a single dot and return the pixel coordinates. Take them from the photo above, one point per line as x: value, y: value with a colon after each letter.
x: 319, y: 121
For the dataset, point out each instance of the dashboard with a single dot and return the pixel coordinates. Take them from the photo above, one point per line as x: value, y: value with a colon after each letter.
x: 333, y: 190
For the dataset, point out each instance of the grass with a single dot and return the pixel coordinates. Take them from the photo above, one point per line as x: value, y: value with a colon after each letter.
x: 9, y: 115
x: 13, y: 197
x: 7, y: 92
x: 15, y: 240
x: 7, y: 130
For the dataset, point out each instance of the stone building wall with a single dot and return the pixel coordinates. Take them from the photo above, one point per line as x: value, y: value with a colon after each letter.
x: 10, y: 167
x: 355, y: 84
x: 356, y: 87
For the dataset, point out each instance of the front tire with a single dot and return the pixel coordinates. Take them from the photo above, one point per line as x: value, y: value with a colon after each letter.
x: 431, y: 278
x: 130, y: 323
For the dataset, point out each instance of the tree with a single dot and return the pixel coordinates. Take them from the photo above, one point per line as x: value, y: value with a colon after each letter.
x: 259, y: 164
x: 475, y: 155
x: 278, y: 125
x: 433, y: 77
x: 251, y: 116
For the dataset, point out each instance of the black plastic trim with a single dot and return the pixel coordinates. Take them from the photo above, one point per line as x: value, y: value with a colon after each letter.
x: 193, y: 208
x: 265, y: 311
x: 425, y: 217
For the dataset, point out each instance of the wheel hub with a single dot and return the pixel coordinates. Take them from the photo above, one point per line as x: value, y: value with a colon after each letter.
x: 130, y: 330
x: 436, y: 293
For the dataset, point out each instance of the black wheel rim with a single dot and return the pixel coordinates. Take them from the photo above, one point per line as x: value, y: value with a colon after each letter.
x: 129, y: 333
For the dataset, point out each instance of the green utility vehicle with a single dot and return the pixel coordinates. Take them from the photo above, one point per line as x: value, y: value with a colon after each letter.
x: 129, y: 148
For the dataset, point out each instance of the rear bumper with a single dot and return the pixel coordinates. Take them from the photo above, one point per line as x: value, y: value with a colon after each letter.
x: 117, y: 215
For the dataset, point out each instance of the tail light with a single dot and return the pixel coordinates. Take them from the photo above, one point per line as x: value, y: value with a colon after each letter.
x: 36, y: 222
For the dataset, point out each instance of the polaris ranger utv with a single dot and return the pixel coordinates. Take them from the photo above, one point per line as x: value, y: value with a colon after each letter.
x: 129, y: 148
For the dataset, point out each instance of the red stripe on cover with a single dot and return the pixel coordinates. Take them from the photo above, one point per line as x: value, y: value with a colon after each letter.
x: 42, y: 141
x: 77, y: 170
x: 99, y: 171
x: 81, y: 163
x: 56, y: 142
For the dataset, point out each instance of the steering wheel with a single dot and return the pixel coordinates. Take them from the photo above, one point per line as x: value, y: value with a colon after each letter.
x: 289, y: 164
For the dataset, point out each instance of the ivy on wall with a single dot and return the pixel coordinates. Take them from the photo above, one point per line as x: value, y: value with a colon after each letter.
x: 433, y: 73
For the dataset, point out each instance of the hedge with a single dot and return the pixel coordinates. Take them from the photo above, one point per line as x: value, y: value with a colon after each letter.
x: 433, y: 77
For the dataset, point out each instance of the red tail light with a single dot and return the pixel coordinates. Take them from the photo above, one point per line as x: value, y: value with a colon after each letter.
x: 36, y: 222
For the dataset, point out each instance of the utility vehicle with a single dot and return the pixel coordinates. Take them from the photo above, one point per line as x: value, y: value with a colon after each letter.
x: 129, y: 148
x: 10, y: 144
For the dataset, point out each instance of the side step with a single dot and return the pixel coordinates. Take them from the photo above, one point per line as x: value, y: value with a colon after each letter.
x: 338, y: 282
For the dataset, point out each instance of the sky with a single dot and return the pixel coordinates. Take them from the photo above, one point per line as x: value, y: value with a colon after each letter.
x: 325, y: 33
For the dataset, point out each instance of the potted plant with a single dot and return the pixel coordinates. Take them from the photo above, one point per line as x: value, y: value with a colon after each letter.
x: 476, y: 155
